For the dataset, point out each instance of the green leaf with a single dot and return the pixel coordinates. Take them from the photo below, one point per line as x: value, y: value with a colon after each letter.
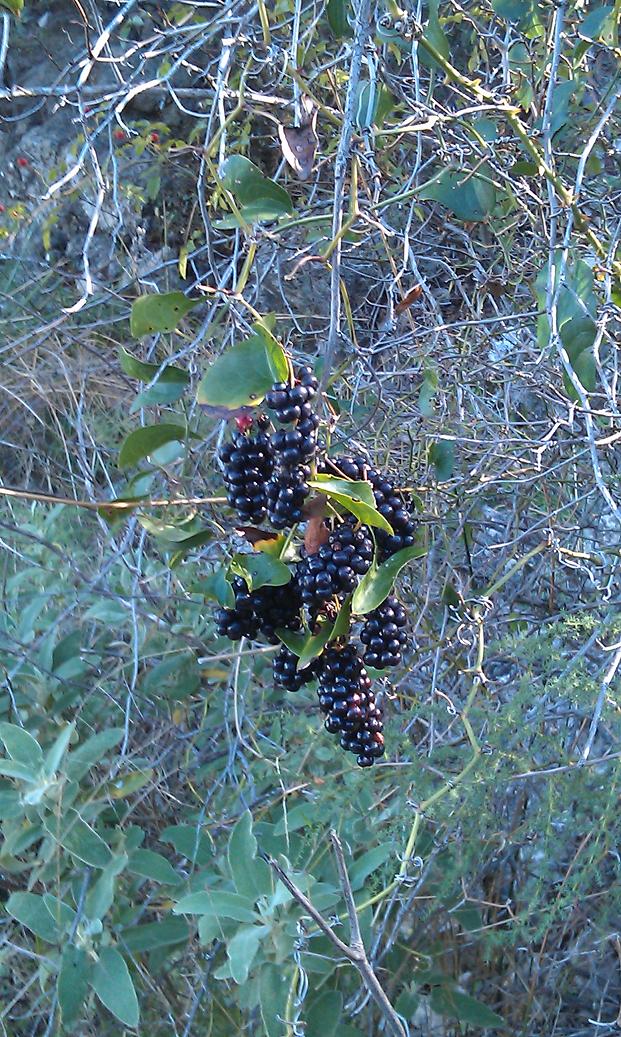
x: 154, y: 866
x: 14, y: 6
x: 258, y: 197
x: 161, y: 312
x: 242, y: 950
x: 218, y: 903
x: 80, y: 840
x: 63, y: 916
x: 338, y: 20
x: 146, y: 372
x: 578, y: 334
x: 314, y: 645
x: 451, y: 1002
x: 149, y: 937
x: 216, y: 587
x: 92, y: 751
x: 11, y: 805
x: 376, y: 584
x: 100, y: 896
x: 374, y: 104
x: 252, y: 876
x: 512, y: 10
x: 273, y: 990
x: 143, y: 441
x: 189, y: 842
x: 352, y: 497
x: 30, y: 910
x: 20, y: 745
x: 324, y: 1015
x: 20, y: 771
x: 599, y: 25
x: 276, y: 358
x: 72, y: 984
x: 470, y: 197
x: 366, y: 865
x: 241, y: 376
x: 442, y: 457
x: 55, y: 754
x: 261, y: 570
x: 114, y: 987
x: 435, y: 35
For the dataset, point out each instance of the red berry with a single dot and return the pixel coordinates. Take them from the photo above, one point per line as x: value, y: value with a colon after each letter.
x: 154, y: 137
x: 243, y: 422
x: 119, y: 135
x: 22, y: 162
x: 2, y: 207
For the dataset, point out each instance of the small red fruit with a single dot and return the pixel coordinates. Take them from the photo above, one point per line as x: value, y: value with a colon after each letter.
x: 22, y: 162
x: 154, y: 137
x: 119, y: 135
x: 243, y: 422
x: 2, y: 207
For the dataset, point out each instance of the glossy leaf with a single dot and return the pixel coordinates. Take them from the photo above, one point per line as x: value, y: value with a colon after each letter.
x: 261, y: 570
x: 114, y: 987
x: 241, y: 376
x: 354, y: 497
x: 72, y: 983
x: 144, y: 441
x: 314, y: 645
x: 159, y: 312
x: 146, y: 372
x: 376, y: 585
x: 13, y: 6
x: 259, y: 197
x: 216, y: 587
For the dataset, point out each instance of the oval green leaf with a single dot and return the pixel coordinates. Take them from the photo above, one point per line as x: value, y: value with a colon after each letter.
x: 470, y: 198
x: 366, y: 513
x: 114, y: 987
x: 156, y: 313
x: 143, y: 441
x: 261, y: 570
x: 259, y: 197
x: 241, y: 376
x: 376, y: 585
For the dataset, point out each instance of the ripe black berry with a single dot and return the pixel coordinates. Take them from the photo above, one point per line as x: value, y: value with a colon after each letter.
x: 292, y: 402
x: 336, y: 568
x: 239, y: 621
x: 345, y: 696
x: 384, y: 635
x: 286, y: 673
x: 247, y: 465
x: 286, y: 492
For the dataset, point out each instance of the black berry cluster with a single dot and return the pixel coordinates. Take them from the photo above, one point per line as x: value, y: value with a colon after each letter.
x: 241, y: 620
x: 391, y: 503
x: 338, y: 565
x: 384, y: 636
x: 247, y: 465
x: 286, y: 673
x: 292, y: 402
x: 264, y: 611
x: 346, y: 698
x: 293, y: 449
x: 286, y: 492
